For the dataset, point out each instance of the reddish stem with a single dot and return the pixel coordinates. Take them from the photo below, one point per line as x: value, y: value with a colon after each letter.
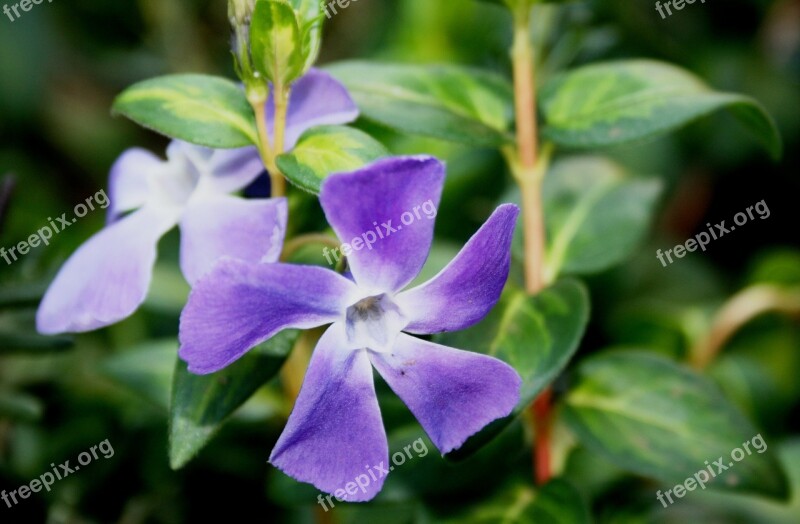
x: 542, y: 423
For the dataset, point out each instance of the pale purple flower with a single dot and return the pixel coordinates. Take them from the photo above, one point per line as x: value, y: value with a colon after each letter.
x: 107, y: 279
x: 335, y: 431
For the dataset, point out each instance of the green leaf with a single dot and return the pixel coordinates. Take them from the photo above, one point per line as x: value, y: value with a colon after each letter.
x: 18, y: 332
x: 204, y: 110
x: 276, y: 42
x: 517, y: 4
x: 779, y: 266
x: 201, y: 404
x: 32, y: 343
x: 616, y: 102
x: 557, y: 502
x: 146, y: 369
x: 445, y: 102
x: 307, y: 10
x: 758, y: 370
x: 169, y: 291
x: 655, y: 418
x: 536, y: 335
x: 596, y: 215
x: 20, y: 295
x: 309, y: 14
x: 429, y: 477
x: 19, y: 406
x: 325, y: 150
x: 731, y: 507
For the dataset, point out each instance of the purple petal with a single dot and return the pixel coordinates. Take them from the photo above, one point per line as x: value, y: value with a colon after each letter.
x: 127, y: 183
x: 235, y: 169
x: 316, y: 99
x: 240, y: 304
x: 335, y: 433
x: 107, y: 278
x: 464, y: 291
x: 389, y: 205
x: 222, y: 225
x: 229, y: 169
x: 453, y: 393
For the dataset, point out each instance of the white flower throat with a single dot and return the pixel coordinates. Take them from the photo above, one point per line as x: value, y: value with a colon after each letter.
x: 374, y: 322
x: 181, y: 176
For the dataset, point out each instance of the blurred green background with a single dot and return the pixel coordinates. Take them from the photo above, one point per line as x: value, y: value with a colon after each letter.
x: 62, y: 64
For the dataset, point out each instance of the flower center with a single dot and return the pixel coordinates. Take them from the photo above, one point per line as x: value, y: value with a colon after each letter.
x: 374, y: 323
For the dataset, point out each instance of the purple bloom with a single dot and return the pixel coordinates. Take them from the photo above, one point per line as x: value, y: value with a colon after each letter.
x: 316, y: 99
x: 335, y: 431
x: 107, y: 279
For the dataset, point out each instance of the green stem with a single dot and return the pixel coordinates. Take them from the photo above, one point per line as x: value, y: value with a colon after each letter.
x: 529, y: 172
x: 277, y: 184
x: 294, y: 369
x: 268, y: 153
x: 281, y: 108
x: 292, y: 246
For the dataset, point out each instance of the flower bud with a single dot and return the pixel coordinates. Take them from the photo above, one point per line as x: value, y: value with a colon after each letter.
x: 240, y: 14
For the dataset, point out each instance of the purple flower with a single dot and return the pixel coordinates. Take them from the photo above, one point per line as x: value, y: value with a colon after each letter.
x: 107, y: 279
x: 335, y: 431
x: 316, y: 99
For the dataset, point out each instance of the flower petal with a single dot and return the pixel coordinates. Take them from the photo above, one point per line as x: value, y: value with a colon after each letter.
x: 240, y: 304
x: 369, y: 205
x: 453, y: 393
x: 222, y: 225
x: 464, y: 291
x: 107, y: 278
x: 335, y: 432
x: 316, y: 99
x: 235, y: 169
x: 127, y: 183
x: 225, y: 170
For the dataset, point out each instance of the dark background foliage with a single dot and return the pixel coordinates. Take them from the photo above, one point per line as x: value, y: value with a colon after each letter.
x: 62, y: 64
